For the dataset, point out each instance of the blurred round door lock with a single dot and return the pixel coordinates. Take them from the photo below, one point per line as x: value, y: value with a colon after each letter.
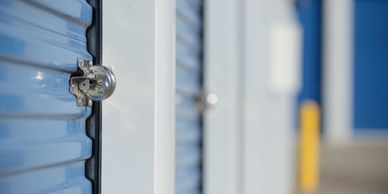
x: 211, y: 99
x: 207, y: 100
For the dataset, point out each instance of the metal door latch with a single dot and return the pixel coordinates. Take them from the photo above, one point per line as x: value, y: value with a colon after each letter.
x: 95, y: 84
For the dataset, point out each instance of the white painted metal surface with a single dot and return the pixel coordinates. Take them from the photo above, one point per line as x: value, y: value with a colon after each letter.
x: 285, y: 61
x: 268, y: 115
x: 138, y: 120
x: 221, y: 124
x: 338, y: 70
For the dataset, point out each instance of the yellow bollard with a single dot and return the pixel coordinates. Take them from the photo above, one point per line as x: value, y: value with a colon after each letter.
x: 309, y: 147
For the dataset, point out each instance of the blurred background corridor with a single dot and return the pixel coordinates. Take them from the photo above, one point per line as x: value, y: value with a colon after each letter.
x: 345, y: 66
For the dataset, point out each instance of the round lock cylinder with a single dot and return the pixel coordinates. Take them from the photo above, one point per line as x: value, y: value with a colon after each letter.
x: 102, y: 85
x: 95, y: 84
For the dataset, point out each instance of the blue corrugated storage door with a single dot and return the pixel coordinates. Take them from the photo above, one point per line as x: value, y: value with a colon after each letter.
x: 188, y: 84
x: 310, y: 16
x: 371, y: 65
x: 43, y: 143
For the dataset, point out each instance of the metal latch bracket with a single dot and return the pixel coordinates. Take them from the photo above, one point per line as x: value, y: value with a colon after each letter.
x: 80, y: 84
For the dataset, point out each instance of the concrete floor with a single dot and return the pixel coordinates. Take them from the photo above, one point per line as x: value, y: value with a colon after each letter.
x: 360, y: 167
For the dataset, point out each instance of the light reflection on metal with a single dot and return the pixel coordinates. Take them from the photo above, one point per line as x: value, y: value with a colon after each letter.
x: 39, y: 75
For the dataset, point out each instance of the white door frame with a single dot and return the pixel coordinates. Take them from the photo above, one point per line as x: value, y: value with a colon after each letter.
x: 138, y: 134
x: 338, y: 71
x: 221, y: 125
x: 249, y: 135
x: 270, y: 85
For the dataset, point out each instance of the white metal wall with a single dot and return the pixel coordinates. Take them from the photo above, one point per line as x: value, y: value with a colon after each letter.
x: 268, y: 101
x: 138, y: 120
x: 222, y: 70
x: 252, y: 55
x: 249, y: 133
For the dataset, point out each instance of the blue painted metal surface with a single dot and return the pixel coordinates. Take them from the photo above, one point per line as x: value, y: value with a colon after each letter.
x: 43, y: 144
x: 188, y: 85
x: 310, y: 17
x: 370, y: 65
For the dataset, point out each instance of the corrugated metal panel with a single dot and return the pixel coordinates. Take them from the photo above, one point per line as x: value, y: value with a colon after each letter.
x: 370, y: 65
x: 43, y: 144
x: 188, y: 86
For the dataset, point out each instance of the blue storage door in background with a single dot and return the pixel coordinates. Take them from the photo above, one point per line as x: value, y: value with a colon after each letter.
x: 310, y: 17
x: 188, y: 87
x: 43, y: 140
x: 370, y: 65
